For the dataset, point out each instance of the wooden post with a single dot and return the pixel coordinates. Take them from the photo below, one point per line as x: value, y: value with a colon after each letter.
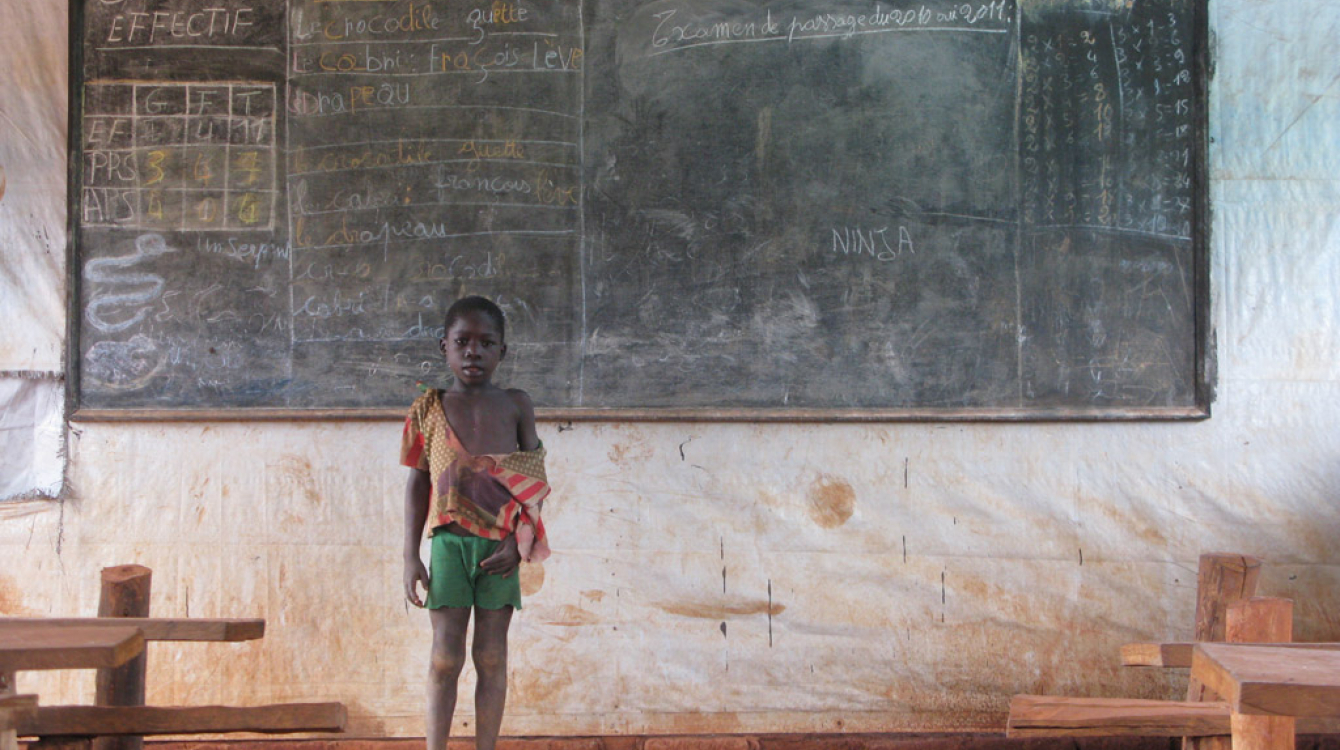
x: 1261, y: 620
x: 125, y: 593
x: 9, y: 739
x: 1221, y: 580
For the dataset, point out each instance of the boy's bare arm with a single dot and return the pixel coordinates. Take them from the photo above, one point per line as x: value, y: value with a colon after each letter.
x: 526, y: 437
x: 417, y: 489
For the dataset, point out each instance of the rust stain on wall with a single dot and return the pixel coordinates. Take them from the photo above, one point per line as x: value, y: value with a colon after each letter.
x: 717, y: 611
x: 569, y: 616
x: 831, y: 501
x: 1005, y: 602
x: 532, y: 578
x: 703, y: 723
x: 594, y: 595
x: 530, y: 687
x: 363, y: 721
x: 11, y: 599
x: 624, y: 454
x: 1146, y: 529
x: 297, y: 471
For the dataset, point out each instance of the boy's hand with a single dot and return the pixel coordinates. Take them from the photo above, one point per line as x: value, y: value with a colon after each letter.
x: 415, y: 573
x: 504, y: 560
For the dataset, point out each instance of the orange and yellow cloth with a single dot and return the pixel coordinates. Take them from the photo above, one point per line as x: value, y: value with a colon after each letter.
x: 488, y: 495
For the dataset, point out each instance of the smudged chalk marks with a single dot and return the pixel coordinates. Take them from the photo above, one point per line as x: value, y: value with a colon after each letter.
x: 124, y: 365
x: 127, y: 308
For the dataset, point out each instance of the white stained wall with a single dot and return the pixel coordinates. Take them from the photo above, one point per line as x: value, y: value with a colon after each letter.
x: 717, y: 577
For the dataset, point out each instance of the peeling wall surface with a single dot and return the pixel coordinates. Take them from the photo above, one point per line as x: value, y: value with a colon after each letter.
x: 736, y: 577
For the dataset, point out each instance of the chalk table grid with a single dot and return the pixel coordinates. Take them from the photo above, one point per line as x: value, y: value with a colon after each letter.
x: 185, y: 156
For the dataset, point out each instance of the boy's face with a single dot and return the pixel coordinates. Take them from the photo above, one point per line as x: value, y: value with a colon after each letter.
x: 473, y: 348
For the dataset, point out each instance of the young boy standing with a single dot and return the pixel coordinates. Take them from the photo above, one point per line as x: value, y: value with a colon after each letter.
x: 476, y: 482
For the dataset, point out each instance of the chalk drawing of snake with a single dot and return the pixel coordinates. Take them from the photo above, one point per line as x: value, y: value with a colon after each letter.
x: 148, y: 285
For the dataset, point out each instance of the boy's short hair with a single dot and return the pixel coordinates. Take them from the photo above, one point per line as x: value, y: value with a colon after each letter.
x: 476, y: 304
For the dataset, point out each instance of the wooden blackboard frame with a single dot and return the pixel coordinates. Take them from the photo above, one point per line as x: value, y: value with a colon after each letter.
x: 791, y: 416
x: 73, y: 272
x: 1205, y: 359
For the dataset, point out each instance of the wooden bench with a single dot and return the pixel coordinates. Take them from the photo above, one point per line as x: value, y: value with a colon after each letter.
x: 1268, y: 688
x: 1061, y: 716
x: 1269, y: 680
x: 156, y: 628
x: 114, y: 643
x: 105, y: 721
x: 1227, y: 611
x: 1178, y: 655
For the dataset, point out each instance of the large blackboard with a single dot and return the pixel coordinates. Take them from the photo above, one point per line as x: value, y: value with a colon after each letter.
x: 722, y: 209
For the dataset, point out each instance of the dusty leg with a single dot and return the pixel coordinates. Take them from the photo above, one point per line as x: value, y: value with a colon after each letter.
x: 444, y: 668
x: 489, y: 652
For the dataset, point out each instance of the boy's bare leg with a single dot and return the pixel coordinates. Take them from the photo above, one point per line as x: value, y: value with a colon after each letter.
x: 489, y: 652
x: 444, y: 669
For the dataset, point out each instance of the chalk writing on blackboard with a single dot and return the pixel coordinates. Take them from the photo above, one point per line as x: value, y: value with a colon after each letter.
x: 679, y: 28
x: 406, y: 128
x: 179, y: 156
x: 685, y: 206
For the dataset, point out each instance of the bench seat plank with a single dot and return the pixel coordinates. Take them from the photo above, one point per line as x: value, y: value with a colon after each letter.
x: 1052, y: 716
x: 158, y: 628
x: 1058, y: 716
x: 150, y: 720
x: 1178, y: 655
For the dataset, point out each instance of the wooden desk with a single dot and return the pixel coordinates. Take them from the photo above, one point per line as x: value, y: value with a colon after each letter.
x: 38, y: 645
x: 1266, y: 687
x: 1271, y: 680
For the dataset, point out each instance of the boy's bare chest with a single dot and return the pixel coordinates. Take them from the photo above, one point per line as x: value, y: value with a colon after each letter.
x: 483, y: 424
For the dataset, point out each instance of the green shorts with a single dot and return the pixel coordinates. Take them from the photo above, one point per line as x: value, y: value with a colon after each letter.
x: 455, y: 580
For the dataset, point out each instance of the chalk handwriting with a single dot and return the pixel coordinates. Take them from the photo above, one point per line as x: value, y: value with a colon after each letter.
x: 878, y: 243
x: 208, y: 23
x: 679, y: 28
x: 250, y: 253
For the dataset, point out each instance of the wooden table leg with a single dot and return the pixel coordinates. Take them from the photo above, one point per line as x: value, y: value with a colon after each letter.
x: 1262, y: 732
x: 1261, y: 620
x: 125, y: 593
x: 1221, y: 580
x: 9, y: 739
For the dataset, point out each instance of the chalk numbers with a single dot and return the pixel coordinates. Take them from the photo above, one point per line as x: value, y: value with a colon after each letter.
x: 1122, y: 91
x: 182, y: 156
